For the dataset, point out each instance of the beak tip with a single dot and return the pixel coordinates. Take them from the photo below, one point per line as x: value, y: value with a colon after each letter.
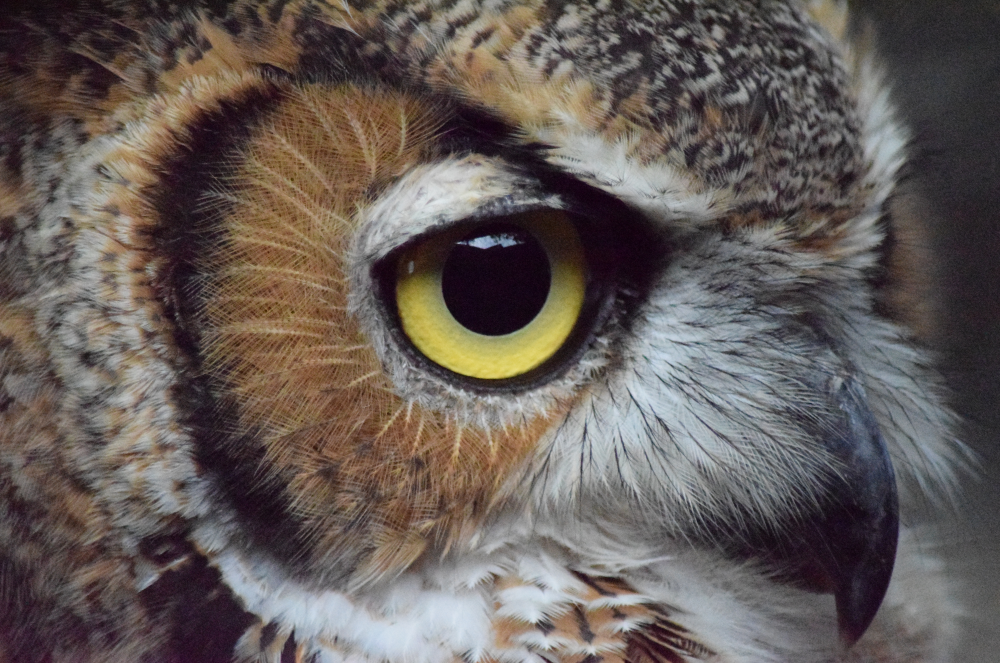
x: 860, y: 596
x: 851, y: 631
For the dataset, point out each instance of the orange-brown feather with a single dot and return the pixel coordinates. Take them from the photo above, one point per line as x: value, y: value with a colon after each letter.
x: 358, y: 461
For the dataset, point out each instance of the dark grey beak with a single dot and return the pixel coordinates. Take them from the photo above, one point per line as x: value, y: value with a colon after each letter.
x: 855, y: 538
x: 846, y: 546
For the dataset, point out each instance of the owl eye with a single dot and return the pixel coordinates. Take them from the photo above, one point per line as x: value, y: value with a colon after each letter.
x: 497, y: 300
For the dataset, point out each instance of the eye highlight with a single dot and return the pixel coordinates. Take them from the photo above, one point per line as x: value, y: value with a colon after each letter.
x: 495, y: 301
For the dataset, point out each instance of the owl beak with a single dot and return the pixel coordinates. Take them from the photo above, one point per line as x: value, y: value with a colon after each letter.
x: 847, y: 547
x: 856, y: 537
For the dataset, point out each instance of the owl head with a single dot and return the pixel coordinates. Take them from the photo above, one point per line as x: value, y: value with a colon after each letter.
x: 384, y: 310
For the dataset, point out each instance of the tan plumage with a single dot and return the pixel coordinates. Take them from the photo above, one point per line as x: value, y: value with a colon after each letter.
x: 218, y: 442
x: 295, y: 360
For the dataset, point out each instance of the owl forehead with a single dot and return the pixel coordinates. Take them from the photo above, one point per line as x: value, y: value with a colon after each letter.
x: 713, y: 108
x: 692, y: 111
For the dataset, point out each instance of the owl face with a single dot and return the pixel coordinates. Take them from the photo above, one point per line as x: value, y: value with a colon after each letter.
x: 536, y: 331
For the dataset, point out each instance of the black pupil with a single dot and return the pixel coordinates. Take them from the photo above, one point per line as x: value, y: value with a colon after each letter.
x: 496, y: 280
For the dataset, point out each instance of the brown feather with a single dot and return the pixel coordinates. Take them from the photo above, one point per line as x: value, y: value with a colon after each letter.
x: 363, y: 468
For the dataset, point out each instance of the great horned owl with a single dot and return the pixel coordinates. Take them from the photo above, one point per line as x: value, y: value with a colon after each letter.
x: 460, y: 330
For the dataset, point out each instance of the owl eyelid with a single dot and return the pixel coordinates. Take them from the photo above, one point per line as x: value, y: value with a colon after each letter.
x: 431, y: 197
x: 594, y: 211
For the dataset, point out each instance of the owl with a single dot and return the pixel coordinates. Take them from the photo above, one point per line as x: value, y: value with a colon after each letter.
x: 463, y: 331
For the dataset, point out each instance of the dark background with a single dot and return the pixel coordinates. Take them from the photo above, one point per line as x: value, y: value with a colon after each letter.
x: 944, y: 62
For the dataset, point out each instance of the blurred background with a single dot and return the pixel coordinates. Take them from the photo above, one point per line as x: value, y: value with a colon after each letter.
x: 944, y: 61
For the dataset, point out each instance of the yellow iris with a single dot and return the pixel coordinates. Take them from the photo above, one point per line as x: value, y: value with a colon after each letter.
x: 432, y: 326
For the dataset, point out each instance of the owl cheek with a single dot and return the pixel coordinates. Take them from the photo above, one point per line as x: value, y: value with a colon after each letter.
x: 769, y: 453
x: 374, y: 483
